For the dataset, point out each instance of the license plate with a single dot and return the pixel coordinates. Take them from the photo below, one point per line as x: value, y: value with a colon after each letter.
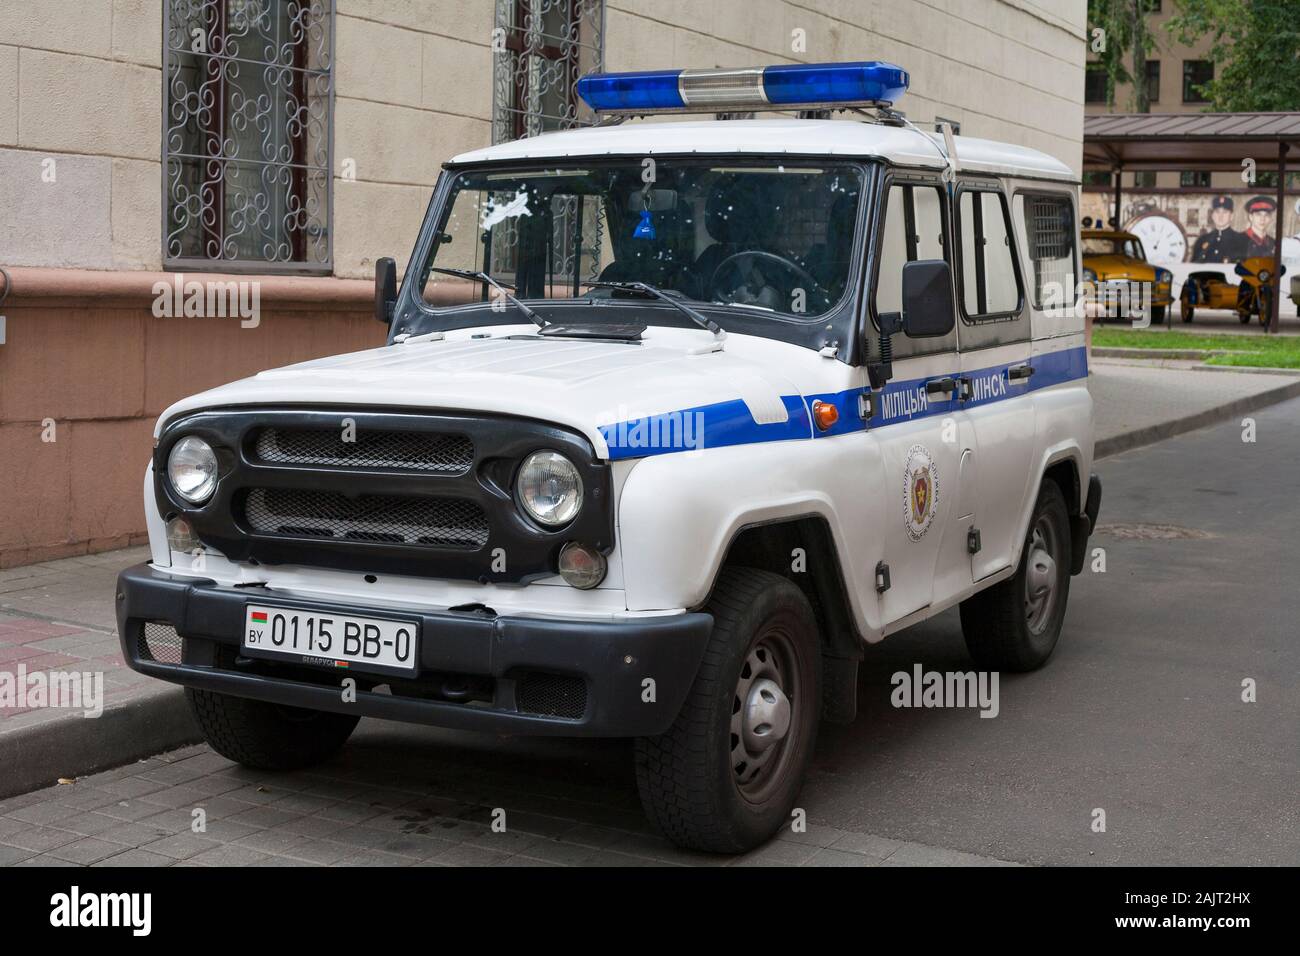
x: 330, y: 640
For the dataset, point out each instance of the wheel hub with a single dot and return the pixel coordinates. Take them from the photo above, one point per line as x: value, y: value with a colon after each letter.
x: 766, y: 717
x: 763, y: 714
x: 1040, y: 578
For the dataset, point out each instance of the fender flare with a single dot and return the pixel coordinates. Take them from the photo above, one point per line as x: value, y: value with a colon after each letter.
x: 844, y: 636
x: 1080, y: 525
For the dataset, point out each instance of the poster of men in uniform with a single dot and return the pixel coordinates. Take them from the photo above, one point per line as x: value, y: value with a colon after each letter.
x: 1220, y: 243
x: 1259, y: 237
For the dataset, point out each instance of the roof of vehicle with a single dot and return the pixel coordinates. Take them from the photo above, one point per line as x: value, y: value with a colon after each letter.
x: 1106, y: 234
x: 779, y: 137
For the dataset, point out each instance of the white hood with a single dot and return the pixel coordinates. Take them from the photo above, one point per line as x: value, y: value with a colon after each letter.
x: 579, y: 384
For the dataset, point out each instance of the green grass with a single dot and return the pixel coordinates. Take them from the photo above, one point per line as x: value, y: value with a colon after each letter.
x: 1251, y: 350
x: 1257, y: 359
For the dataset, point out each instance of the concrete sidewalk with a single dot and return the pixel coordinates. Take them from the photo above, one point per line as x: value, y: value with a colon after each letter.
x: 59, y: 615
x: 1137, y: 403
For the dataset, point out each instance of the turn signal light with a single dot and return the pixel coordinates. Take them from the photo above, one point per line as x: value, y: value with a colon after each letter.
x: 581, y: 566
x: 825, y: 414
x: 181, y: 537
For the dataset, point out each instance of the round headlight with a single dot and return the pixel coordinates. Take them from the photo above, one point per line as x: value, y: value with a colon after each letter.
x: 192, y: 469
x: 549, y: 488
x: 1263, y: 275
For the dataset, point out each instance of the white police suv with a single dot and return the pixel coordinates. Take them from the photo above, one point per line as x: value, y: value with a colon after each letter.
x: 674, y: 420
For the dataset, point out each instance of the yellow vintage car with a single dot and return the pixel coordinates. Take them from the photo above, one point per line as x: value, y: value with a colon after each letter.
x: 1252, y: 298
x: 1120, y: 281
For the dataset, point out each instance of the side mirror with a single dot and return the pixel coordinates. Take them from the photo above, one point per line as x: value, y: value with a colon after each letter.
x: 385, y: 289
x: 927, y: 299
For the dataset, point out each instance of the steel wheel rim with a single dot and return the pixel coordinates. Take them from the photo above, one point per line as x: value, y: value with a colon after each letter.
x: 1041, y: 576
x: 765, y: 715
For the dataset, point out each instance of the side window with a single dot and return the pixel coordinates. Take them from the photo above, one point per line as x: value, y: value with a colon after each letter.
x: 989, y: 288
x: 1049, y: 234
x: 913, y: 230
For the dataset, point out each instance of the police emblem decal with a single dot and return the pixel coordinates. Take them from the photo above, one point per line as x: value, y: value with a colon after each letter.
x: 920, y: 491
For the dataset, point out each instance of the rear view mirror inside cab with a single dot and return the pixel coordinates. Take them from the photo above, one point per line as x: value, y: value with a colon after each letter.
x: 927, y: 299
x: 654, y: 200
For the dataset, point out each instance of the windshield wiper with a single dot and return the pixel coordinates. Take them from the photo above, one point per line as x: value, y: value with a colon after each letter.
x: 499, y: 286
x: 675, y: 301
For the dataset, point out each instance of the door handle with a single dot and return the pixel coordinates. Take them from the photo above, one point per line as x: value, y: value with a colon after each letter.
x: 1019, y: 373
x: 940, y: 385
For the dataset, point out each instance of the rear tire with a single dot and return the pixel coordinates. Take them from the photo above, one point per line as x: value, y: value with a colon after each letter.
x: 268, y: 736
x: 725, y: 776
x: 1014, y: 625
x: 1187, y: 310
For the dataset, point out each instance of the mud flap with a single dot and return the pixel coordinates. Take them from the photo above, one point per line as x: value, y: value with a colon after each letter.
x: 839, y: 689
x: 1082, y: 526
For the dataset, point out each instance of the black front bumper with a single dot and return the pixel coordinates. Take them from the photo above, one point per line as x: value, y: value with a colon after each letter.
x: 604, y: 664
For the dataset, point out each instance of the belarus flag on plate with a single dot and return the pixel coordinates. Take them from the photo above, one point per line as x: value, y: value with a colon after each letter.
x: 259, y: 617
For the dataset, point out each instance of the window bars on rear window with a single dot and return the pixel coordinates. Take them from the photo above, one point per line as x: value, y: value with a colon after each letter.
x: 1049, y: 222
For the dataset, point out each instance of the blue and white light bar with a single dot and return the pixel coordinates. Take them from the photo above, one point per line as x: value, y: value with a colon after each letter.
x: 793, y: 86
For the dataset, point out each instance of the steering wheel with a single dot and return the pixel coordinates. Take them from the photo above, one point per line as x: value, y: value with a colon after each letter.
x: 732, y: 262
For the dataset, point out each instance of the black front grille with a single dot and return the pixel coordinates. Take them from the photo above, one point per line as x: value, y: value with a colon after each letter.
x: 365, y: 448
x: 425, y: 493
x: 551, y: 695
x: 397, y: 519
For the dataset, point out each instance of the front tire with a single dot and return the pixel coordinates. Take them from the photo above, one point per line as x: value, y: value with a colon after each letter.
x: 1014, y: 625
x: 1158, y: 314
x: 725, y: 776
x: 1245, y: 304
x: 268, y: 736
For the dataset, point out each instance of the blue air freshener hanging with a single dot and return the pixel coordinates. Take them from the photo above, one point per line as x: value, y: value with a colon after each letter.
x: 645, y: 229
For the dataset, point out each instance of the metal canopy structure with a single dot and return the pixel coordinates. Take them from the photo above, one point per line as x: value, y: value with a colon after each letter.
x: 1121, y: 142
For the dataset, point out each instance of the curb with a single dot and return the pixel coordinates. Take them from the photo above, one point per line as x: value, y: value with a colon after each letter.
x: 1247, y: 369
x: 1194, y: 355
x: 1178, y: 426
x: 74, y: 746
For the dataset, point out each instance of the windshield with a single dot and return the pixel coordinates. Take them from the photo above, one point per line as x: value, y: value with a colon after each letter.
x: 1114, y: 247
x: 774, y: 238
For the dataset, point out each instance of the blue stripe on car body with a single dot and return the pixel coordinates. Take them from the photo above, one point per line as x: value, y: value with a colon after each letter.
x: 731, y: 423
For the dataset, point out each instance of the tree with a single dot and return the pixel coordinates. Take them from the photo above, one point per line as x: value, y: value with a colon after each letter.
x: 1255, y: 48
x: 1124, y: 34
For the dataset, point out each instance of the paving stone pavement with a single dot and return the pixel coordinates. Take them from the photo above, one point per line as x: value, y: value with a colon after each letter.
x: 58, y: 615
x: 382, y: 803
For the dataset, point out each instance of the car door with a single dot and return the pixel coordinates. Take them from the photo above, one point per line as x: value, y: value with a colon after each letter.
x: 918, y: 422
x: 995, y: 368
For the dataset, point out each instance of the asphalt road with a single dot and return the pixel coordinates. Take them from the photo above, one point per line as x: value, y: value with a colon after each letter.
x: 1139, y: 714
